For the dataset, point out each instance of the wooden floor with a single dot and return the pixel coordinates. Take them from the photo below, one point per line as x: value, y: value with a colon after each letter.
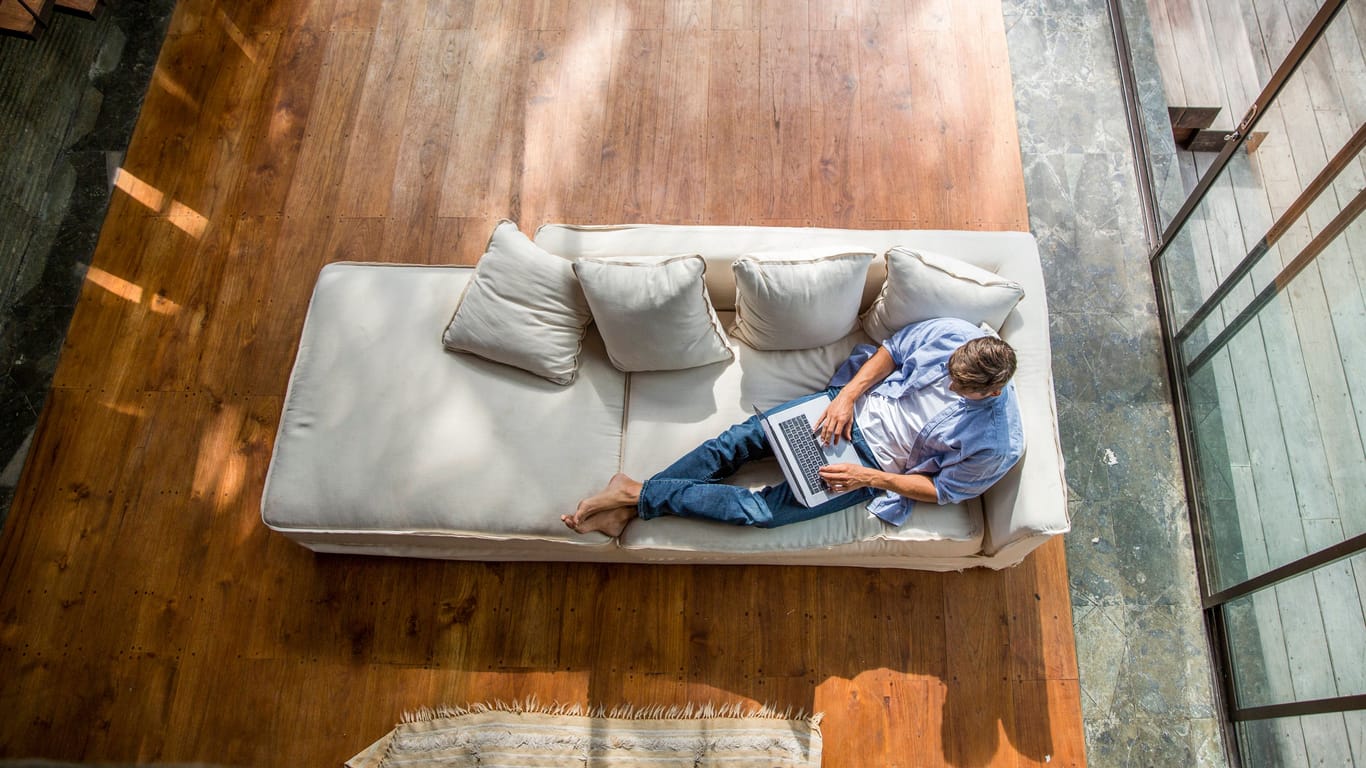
x: 146, y: 614
x: 1283, y: 419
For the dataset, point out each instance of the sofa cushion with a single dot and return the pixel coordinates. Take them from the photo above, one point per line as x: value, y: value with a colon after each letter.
x: 670, y: 413
x: 922, y: 285
x: 384, y: 431
x: 523, y: 308
x: 949, y: 531
x: 654, y: 314
x: 798, y: 299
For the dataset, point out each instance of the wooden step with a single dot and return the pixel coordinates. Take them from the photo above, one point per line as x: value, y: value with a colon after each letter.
x: 1192, y: 117
x: 1212, y: 140
x: 1189, y: 121
x: 86, y: 8
x: 17, y: 17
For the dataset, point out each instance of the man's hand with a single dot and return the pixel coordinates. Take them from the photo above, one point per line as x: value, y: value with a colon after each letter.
x: 847, y: 477
x: 837, y: 421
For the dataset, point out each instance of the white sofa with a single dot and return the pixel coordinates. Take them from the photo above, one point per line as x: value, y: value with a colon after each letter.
x: 391, y: 445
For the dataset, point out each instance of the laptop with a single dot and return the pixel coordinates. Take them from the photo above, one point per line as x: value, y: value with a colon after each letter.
x: 791, y: 430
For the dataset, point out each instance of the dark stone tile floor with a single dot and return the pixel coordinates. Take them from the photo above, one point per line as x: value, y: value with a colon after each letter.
x: 1146, y: 678
x: 1145, y: 674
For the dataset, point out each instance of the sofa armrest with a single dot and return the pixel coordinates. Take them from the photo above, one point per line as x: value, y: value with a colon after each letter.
x: 1030, y: 501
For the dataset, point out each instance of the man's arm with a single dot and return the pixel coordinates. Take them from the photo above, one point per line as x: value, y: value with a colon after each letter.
x: 844, y: 477
x: 838, y: 419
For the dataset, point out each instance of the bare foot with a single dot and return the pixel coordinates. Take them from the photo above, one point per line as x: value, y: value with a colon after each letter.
x: 609, y: 521
x: 621, y: 491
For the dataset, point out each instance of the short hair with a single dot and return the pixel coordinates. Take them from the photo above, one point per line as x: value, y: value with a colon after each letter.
x: 982, y: 365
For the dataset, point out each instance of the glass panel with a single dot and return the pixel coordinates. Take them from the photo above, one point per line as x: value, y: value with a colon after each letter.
x: 1294, y: 742
x: 1277, y: 420
x: 1304, y: 638
x: 1200, y: 64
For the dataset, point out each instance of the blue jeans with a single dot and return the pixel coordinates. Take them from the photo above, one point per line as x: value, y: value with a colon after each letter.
x: 692, y: 487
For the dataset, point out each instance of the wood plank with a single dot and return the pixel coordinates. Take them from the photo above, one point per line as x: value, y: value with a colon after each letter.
x: 1164, y: 47
x: 734, y: 131
x: 551, y: 161
x: 86, y: 8
x: 425, y: 149
x: 832, y: 15
x: 368, y: 177
x: 981, y: 702
x: 834, y: 121
x: 489, y: 15
x: 892, y: 131
x: 327, y: 136
x: 680, y: 143
x: 484, y: 165
x: 626, y: 171
x: 1041, y: 622
x: 1344, y: 628
x: 545, y: 15
x: 571, y: 130
x: 1201, y: 85
x: 996, y: 206
x: 785, y: 98
x: 734, y: 15
x: 1045, y: 740
x: 640, y: 15
x: 1235, y: 63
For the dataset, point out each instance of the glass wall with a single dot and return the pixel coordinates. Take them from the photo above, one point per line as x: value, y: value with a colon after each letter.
x: 1251, y: 116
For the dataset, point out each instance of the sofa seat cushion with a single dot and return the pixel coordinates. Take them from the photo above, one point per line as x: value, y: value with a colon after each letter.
x: 668, y: 414
x: 384, y: 430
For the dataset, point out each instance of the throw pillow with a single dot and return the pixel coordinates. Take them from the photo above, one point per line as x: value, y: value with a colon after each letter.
x: 921, y: 285
x: 798, y: 300
x: 523, y: 307
x: 654, y: 315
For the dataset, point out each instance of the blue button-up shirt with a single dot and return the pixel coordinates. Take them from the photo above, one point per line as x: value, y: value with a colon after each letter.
x: 965, y: 448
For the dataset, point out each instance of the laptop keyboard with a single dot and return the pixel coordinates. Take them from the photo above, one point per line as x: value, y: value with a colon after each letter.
x: 802, y: 440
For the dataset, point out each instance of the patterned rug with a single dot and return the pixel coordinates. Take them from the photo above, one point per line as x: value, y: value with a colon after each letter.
x: 530, y: 735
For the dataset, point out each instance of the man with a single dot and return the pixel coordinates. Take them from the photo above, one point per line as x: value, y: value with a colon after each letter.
x: 935, y: 411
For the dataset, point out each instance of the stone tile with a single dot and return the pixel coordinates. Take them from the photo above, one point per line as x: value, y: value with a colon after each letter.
x: 1125, y: 553
x: 1067, y: 62
x: 1120, y: 452
x: 17, y: 417
x: 1165, y: 671
x: 1107, y: 358
x: 1100, y: 629
x: 1149, y: 742
x: 9, y: 474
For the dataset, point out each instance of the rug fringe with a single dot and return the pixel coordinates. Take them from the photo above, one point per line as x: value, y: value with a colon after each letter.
x: 690, y: 711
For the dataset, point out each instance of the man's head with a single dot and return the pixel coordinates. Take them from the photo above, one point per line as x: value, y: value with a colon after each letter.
x: 981, y: 368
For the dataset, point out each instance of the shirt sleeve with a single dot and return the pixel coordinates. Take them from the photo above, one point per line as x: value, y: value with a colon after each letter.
x: 902, y: 344
x: 971, y: 477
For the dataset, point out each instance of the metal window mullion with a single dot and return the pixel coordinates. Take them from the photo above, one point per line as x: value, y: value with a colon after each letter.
x: 1317, y: 187
x: 1300, y: 708
x: 1290, y: 570
x: 1301, y: 262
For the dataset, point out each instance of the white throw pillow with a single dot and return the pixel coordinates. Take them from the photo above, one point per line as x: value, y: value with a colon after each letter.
x: 921, y: 285
x: 800, y: 299
x: 654, y: 314
x: 523, y: 307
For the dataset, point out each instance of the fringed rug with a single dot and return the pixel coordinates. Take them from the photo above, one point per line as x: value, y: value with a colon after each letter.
x: 526, y: 734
